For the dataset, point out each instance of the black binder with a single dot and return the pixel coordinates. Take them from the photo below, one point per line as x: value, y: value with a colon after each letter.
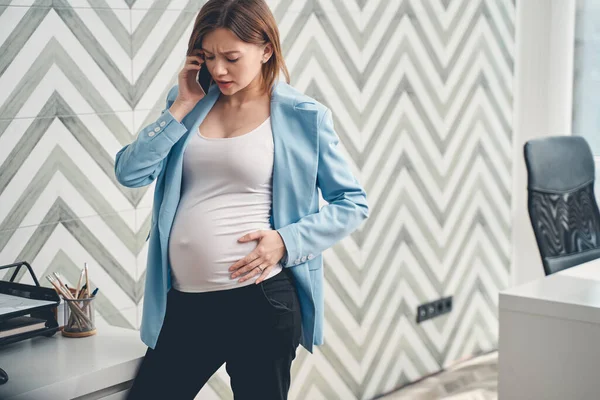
x: 34, y: 292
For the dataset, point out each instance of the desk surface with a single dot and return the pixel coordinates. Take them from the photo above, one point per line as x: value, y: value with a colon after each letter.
x: 571, y: 294
x: 588, y: 270
x: 69, y: 367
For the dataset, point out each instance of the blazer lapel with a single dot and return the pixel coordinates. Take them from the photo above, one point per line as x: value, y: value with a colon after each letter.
x: 295, y: 139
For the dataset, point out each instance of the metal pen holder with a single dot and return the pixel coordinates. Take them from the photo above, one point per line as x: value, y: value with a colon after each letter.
x: 78, y: 317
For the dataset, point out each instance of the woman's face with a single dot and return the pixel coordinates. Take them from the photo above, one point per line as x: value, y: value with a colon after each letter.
x: 232, y: 60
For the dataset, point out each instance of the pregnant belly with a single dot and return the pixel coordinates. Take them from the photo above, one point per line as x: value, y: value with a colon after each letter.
x: 202, y: 248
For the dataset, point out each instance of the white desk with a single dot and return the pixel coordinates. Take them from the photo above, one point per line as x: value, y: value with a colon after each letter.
x: 97, y: 367
x: 549, y: 343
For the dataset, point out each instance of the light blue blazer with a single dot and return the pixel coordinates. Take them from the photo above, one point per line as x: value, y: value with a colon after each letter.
x: 306, y: 157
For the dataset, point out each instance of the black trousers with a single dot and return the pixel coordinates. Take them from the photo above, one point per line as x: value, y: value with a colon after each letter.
x: 255, y: 330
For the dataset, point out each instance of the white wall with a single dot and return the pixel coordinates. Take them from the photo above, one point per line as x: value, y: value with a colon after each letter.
x: 544, y: 34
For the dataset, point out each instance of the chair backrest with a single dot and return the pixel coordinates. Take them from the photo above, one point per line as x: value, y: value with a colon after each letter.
x: 561, y: 202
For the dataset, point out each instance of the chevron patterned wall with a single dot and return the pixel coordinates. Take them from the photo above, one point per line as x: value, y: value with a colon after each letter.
x: 422, y: 98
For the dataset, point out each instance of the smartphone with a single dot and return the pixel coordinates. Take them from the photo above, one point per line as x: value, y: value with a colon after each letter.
x: 204, y: 78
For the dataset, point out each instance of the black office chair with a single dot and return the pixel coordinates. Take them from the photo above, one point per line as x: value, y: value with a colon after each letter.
x: 561, y: 202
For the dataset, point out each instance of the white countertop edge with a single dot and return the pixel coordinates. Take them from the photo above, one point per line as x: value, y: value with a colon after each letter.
x: 115, y: 367
x: 84, y: 384
x: 552, y: 309
x: 557, y: 296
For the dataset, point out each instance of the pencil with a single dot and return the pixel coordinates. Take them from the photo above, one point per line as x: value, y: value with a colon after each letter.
x: 82, y: 291
x: 56, y: 285
x: 79, y: 284
x: 60, y: 281
x: 87, y: 280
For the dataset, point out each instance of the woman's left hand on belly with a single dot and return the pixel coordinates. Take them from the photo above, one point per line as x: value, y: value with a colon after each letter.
x: 269, y: 250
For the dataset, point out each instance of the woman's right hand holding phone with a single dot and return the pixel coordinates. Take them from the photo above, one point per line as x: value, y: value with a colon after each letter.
x: 190, y: 92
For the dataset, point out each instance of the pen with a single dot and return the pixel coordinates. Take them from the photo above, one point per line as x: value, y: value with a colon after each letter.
x: 94, y: 292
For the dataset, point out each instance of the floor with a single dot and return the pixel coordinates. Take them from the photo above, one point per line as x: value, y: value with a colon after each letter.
x: 472, y: 380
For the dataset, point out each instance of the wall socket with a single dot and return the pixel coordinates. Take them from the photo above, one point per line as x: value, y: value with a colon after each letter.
x: 434, y: 309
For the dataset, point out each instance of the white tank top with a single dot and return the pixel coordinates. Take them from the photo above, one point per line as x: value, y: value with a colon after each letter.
x: 225, y: 194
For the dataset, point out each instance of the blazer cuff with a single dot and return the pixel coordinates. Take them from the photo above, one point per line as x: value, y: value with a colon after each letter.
x: 164, y: 132
x: 290, y: 239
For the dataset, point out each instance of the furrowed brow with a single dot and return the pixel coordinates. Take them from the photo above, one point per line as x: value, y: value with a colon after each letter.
x: 225, y: 52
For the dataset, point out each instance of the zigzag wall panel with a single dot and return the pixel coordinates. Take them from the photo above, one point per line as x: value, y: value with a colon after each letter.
x: 421, y: 93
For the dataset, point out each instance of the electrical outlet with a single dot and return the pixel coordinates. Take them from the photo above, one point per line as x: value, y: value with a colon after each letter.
x: 434, y: 309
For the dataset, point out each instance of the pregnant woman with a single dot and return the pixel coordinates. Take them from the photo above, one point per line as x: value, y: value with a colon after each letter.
x: 234, y: 273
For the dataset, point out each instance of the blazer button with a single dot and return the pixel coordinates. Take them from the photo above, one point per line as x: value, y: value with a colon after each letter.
x: 310, y: 256
x: 162, y: 123
x: 151, y: 133
x: 157, y: 129
x: 303, y: 258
